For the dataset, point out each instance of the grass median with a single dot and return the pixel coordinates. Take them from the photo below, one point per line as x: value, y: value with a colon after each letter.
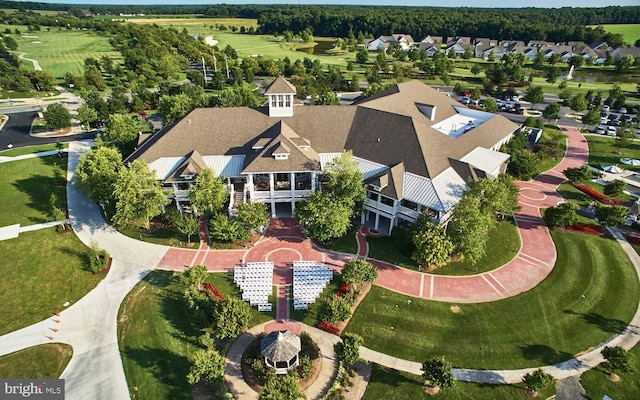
x: 46, y: 361
x: 591, y: 295
x: 411, y: 387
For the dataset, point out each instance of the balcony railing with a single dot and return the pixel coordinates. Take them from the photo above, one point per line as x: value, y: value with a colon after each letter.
x: 381, y: 207
x: 409, y: 212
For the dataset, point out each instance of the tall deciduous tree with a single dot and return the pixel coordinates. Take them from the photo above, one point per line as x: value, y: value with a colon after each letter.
x: 87, y: 115
x: 470, y: 229
x: 497, y: 196
x: 187, y: 225
x: 592, y: 117
x: 57, y: 117
x: 357, y: 272
x: 97, y: 173
x: 139, y: 196
x: 208, y: 194
x: 564, y: 214
x: 121, y: 132
x: 552, y: 111
x: 343, y: 180
x: 578, y: 175
x: 534, y: 95
x: 241, y: 96
x: 323, y: 217
x: 617, y: 359
x: 611, y: 215
x: 172, y: 108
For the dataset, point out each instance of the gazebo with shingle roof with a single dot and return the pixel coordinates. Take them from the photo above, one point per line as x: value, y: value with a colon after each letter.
x: 280, y: 350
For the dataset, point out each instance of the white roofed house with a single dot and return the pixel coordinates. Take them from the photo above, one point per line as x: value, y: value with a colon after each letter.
x: 415, y: 147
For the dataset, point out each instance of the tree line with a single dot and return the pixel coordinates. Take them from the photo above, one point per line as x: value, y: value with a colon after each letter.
x: 557, y: 25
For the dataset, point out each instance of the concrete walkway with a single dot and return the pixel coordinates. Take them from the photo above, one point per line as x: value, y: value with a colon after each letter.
x: 95, y: 370
x: 324, y: 340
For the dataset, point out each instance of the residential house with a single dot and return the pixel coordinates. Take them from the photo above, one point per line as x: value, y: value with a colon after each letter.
x: 620, y: 52
x: 383, y: 42
x: 416, y: 148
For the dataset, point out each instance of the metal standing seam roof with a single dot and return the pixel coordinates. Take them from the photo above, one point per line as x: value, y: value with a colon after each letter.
x: 228, y: 166
x: 419, y: 189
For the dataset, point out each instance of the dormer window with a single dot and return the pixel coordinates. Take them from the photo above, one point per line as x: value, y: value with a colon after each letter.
x: 281, y: 156
x: 187, y: 177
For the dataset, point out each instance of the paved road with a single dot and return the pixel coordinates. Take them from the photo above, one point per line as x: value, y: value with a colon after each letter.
x: 16, y: 132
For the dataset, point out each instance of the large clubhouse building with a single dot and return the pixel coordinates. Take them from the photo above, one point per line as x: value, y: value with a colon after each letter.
x: 416, y: 148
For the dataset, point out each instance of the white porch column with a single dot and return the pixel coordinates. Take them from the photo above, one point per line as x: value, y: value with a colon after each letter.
x: 313, y: 181
x: 271, y: 195
x: 362, y: 217
x: 377, y: 224
x: 249, y: 186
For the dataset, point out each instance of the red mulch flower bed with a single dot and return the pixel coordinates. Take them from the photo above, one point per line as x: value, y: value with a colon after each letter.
x: 344, y: 288
x: 634, y: 240
x: 208, y: 286
x: 602, y: 198
x: 589, y: 229
x: 327, y: 327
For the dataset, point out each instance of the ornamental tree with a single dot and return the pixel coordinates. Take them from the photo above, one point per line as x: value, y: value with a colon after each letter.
x: 187, y: 225
x: 254, y: 215
x: 564, y: 214
x: 208, y: 365
x: 617, y: 359
x: 335, y: 308
x: 357, y: 271
x: 231, y: 318
x: 552, y: 111
x: 433, y: 246
x: 138, y: 195
x: 438, y: 372
x: 578, y: 175
x: 496, y: 196
x: 537, y: 380
x: 614, y: 188
x: 348, y: 350
x: 611, y: 215
x: 207, y: 194
x: 121, y: 132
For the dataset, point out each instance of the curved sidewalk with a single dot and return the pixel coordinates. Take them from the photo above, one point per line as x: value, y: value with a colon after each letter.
x: 530, y: 266
x: 629, y: 338
x: 95, y: 369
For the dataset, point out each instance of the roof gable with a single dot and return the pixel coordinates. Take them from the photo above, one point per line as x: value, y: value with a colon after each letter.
x: 280, y: 86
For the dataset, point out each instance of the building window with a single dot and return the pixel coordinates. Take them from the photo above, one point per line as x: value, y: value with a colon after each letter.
x: 386, y: 201
x: 283, y: 182
x: 373, y: 196
x: 273, y: 101
x: 261, y: 182
x: 303, y: 181
x: 287, y: 101
x: 409, y: 204
x: 280, y: 100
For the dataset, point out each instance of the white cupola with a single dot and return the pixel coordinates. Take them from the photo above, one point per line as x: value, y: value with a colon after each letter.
x: 281, y: 97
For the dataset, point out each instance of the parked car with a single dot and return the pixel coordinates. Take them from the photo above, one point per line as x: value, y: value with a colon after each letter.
x: 605, y: 108
x: 623, y: 110
x: 626, y: 117
x: 604, y: 120
x: 603, y: 114
x: 514, y: 98
x: 600, y: 130
x: 465, y: 100
x: 499, y: 103
x: 611, y: 131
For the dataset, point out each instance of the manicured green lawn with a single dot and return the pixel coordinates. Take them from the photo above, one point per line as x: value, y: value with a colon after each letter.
x: 552, y: 134
x: 62, y: 51
x: 388, y: 383
x: 25, y: 188
x: 597, y: 384
x: 502, y: 246
x: 157, y: 338
x: 41, y: 270
x: 46, y: 361
x: 630, y: 32
x: 344, y: 244
x: 166, y: 236
x: 18, y: 151
x: 605, y: 150
x: 193, y: 23
x: 590, y: 296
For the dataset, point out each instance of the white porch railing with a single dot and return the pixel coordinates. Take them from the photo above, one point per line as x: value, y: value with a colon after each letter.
x: 408, y: 212
x: 182, y: 194
x: 382, y: 207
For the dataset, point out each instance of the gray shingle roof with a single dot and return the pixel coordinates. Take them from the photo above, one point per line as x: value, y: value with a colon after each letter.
x: 280, y: 86
x: 280, y: 346
x: 386, y: 128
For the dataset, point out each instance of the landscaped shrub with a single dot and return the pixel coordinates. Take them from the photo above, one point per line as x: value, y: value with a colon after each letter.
x: 224, y: 229
x: 98, y: 258
x: 305, y: 367
x: 634, y: 240
x: 597, y: 195
x: 335, y: 309
x: 564, y: 214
